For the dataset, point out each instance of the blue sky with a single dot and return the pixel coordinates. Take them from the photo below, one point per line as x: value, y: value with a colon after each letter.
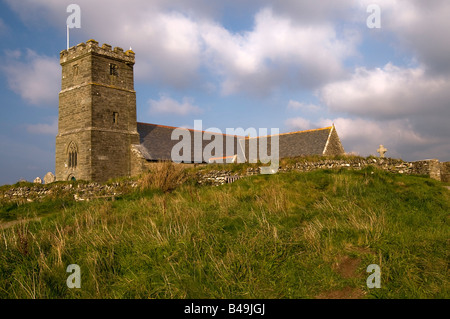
x: 289, y: 64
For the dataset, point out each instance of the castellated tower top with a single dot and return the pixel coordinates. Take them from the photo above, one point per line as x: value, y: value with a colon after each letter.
x: 91, y: 46
x: 91, y: 64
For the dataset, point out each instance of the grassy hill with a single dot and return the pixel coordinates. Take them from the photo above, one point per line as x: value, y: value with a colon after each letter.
x: 289, y: 235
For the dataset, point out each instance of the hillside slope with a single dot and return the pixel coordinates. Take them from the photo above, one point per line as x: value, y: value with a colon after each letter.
x: 288, y: 235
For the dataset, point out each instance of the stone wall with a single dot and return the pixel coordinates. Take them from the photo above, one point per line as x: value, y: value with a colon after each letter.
x: 427, y: 167
x: 78, y: 192
x: 445, y: 172
x: 88, y: 191
x: 431, y: 168
x: 334, y: 145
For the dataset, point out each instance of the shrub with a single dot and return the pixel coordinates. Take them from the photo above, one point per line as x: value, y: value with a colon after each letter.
x: 163, y: 175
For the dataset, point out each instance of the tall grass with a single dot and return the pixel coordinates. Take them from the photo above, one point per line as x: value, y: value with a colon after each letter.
x: 277, y: 236
x: 165, y: 176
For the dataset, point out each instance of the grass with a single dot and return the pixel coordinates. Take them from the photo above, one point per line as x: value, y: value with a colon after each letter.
x: 265, y: 236
x: 58, y: 200
x: 165, y: 176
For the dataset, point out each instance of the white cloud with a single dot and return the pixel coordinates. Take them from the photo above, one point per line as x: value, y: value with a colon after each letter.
x: 292, y: 43
x: 176, y: 41
x: 299, y: 106
x: 162, y: 33
x: 44, y: 128
x: 298, y: 123
x: 276, y: 52
x: 36, y: 79
x: 167, y: 49
x: 421, y: 29
x: 363, y: 136
x: 400, y: 137
x: 168, y: 105
x: 313, y: 11
x: 13, y: 54
x: 388, y: 93
x: 402, y: 107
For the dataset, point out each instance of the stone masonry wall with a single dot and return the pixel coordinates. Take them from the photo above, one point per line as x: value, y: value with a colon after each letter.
x: 93, y: 190
x: 334, y: 146
x: 431, y: 168
x: 445, y: 172
x: 78, y: 192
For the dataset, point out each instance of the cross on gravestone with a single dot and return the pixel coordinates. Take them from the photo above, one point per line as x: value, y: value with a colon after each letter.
x: 382, y: 150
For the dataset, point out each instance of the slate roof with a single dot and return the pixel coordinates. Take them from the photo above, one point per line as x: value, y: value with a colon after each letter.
x: 156, y: 143
x: 300, y: 143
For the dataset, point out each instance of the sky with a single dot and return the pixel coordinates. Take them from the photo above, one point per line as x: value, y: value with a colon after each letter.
x: 381, y: 75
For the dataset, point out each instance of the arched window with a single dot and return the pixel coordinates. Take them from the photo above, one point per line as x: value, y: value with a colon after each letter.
x: 72, y: 155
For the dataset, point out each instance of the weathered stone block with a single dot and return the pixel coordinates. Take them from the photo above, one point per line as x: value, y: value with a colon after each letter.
x: 49, y: 178
x: 445, y: 172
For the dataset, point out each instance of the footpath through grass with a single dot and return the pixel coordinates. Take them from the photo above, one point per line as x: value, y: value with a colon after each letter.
x: 289, y: 235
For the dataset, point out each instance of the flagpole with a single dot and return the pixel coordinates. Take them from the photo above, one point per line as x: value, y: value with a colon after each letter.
x: 67, y: 37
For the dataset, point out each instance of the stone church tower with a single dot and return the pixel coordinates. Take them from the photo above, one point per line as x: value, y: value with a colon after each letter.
x: 97, y: 113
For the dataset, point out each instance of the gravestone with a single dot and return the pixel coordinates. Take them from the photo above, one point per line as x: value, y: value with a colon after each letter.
x: 37, y: 180
x: 49, y: 178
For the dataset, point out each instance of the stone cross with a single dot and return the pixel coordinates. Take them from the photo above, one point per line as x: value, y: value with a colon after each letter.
x: 382, y: 150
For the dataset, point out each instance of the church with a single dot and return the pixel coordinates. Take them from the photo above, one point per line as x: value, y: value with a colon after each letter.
x: 99, y: 137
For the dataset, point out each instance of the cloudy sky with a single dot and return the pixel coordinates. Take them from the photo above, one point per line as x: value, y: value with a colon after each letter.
x: 289, y: 64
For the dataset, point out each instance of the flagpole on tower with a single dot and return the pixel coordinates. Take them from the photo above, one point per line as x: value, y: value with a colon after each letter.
x: 74, y: 20
x: 67, y: 36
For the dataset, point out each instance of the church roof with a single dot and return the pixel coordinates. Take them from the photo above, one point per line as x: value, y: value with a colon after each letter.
x: 292, y: 144
x: 156, y: 143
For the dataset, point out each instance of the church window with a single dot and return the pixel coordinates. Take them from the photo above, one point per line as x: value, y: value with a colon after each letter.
x: 75, y: 70
x: 72, y: 153
x: 113, y: 69
x: 115, y: 117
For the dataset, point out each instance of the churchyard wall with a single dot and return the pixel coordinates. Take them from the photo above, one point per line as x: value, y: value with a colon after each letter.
x: 86, y: 191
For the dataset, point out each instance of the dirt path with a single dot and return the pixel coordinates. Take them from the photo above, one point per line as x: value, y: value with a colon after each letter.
x: 346, y: 267
x: 5, y: 225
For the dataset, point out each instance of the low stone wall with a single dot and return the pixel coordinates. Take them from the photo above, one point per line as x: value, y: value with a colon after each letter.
x: 431, y: 168
x: 425, y: 167
x: 445, y: 172
x: 78, y: 192
x: 87, y: 191
x: 215, y: 177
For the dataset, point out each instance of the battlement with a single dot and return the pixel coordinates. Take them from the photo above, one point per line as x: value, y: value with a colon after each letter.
x: 92, y: 46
